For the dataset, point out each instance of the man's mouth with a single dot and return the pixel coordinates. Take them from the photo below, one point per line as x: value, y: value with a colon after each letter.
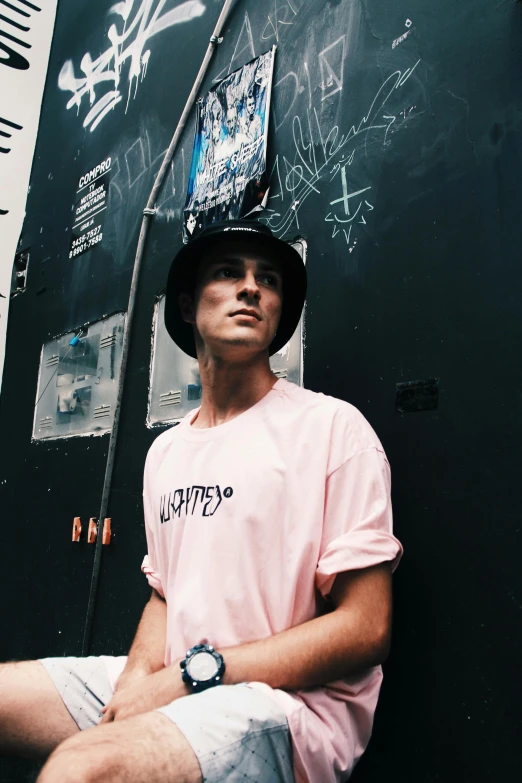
x: 247, y: 313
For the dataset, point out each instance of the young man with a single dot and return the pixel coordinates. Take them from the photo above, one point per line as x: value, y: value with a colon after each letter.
x: 252, y: 122
x: 270, y: 551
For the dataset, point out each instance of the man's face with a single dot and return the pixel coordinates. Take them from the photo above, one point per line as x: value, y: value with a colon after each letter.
x: 238, y: 280
x: 216, y: 127
x: 250, y: 107
x: 231, y: 122
x: 191, y: 223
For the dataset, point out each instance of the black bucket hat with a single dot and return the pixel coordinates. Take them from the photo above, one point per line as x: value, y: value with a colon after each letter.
x: 246, y: 233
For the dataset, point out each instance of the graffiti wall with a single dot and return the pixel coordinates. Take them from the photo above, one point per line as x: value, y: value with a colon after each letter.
x: 393, y: 149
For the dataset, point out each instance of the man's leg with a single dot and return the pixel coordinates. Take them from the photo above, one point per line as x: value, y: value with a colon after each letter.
x: 144, y: 748
x: 33, y: 717
x: 232, y: 733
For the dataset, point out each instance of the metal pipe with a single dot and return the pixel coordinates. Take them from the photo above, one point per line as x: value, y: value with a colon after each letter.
x: 148, y: 213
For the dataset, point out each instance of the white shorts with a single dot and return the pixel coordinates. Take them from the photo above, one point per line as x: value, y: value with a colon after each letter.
x: 238, y: 733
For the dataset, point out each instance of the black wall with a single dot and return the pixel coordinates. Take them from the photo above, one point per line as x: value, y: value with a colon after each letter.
x: 427, y: 286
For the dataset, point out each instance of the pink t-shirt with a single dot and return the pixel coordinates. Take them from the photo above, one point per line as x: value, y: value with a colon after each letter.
x: 247, y: 525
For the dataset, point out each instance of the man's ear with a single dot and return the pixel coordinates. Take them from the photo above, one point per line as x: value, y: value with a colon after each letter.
x: 186, y: 305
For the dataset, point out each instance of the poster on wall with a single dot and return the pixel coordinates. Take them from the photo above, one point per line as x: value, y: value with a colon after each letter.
x: 26, y: 31
x: 89, y: 209
x: 228, y: 170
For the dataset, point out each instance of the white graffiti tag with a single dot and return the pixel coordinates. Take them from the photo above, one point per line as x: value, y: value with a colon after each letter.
x: 128, y: 41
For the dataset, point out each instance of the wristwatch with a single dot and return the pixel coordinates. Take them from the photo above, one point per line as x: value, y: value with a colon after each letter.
x: 202, y: 668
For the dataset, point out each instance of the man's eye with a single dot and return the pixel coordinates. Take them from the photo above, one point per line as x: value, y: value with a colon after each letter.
x: 271, y: 280
x: 225, y: 271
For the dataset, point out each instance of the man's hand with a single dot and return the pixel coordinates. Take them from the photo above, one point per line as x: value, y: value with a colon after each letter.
x: 129, y: 676
x: 145, y: 693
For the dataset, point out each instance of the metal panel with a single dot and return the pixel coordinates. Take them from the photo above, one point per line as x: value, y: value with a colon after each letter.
x: 78, y: 380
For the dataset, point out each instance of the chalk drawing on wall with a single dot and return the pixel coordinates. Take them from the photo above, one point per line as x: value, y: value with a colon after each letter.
x: 348, y: 209
x: 331, y: 62
x: 125, y: 59
x: 408, y: 23
x: 138, y: 163
x: 281, y: 12
x: 321, y: 150
x: 349, y: 216
x: 245, y: 53
x: 400, y: 39
x: 136, y: 160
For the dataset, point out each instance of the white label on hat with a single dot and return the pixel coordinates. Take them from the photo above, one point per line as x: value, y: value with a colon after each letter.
x: 241, y: 228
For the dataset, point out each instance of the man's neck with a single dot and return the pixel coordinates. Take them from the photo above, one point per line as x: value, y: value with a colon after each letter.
x: 228, y: 391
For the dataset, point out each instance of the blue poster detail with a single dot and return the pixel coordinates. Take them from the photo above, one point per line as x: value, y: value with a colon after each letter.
x: 229, y: 155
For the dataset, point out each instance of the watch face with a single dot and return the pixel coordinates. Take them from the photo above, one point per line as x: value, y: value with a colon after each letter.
x: 203, y: 666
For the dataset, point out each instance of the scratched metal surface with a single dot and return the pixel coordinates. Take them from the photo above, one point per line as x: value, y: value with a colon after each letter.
x: 395, y: 150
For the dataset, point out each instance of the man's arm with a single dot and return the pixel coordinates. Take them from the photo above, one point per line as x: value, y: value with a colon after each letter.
x: 147, y: 652
x: 355, y: 636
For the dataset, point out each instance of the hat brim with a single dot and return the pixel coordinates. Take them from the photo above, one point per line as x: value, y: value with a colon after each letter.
x: 292, y: 269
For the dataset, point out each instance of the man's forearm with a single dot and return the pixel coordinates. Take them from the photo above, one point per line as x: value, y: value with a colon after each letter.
x: 147, y: 653
x: 319, y: 651
x: 354, y: 636
x: 351, y: 638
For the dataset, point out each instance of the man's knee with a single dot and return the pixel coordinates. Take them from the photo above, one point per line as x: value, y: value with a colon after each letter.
x: 75, y: 762
x: 14, y: 676
x: 8, y: 671
x: 146, y: 747
x: 33, y: 718
x: 18, y: 679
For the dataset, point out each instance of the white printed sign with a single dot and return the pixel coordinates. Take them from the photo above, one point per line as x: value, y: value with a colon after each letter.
x: 89, y: 209
x: 26, y: 30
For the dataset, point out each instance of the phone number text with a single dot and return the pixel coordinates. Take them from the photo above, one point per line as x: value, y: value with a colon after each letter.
x: 85, y: 242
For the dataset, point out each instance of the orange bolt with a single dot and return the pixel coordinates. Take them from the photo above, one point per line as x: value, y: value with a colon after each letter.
x: 106, y: 536
x: 92, y: 531
x: 77, y: 529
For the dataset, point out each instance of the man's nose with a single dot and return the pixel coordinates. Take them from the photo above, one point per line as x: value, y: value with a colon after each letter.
x: 249, y: 285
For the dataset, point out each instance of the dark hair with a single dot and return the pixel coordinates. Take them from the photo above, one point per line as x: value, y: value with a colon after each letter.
x: 189, y: 280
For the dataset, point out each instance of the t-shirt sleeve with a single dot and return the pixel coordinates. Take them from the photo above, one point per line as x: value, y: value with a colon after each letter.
x: 150, y: 565
x: 357, y: 526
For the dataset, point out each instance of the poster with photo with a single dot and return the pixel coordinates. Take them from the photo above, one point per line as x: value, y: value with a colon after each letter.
x: 73, y: 403
x: 228, y: 170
